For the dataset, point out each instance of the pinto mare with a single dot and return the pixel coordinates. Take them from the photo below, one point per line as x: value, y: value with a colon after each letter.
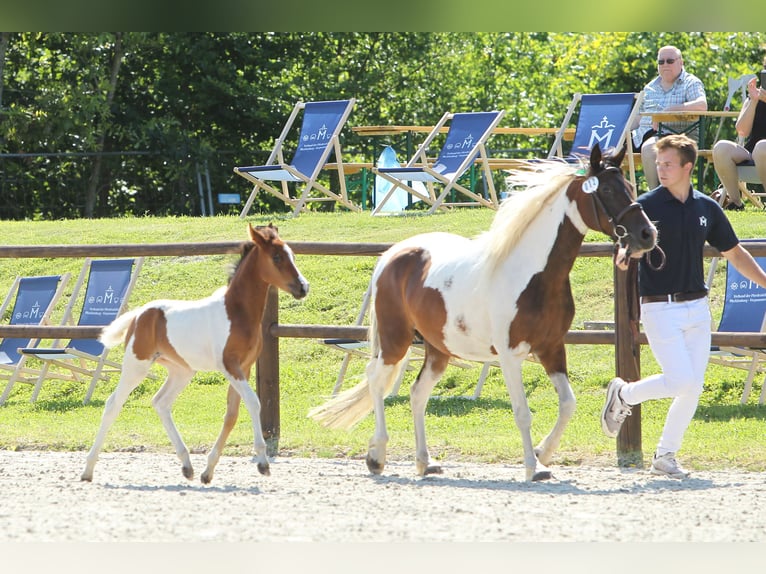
x: 221, y: 332
x: 498, y: 297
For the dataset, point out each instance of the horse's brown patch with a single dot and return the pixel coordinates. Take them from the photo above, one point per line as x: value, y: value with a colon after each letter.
x: 403, y: 304
x: 151, y: 338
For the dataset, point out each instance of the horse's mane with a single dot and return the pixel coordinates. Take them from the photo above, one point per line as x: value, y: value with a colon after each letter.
x: 245, y: 248
x: 543, y: 180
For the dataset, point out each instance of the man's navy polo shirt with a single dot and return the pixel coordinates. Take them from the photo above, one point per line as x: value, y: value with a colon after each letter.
x: 682, y: 229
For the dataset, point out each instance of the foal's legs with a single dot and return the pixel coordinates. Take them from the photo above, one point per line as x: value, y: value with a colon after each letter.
x: 133, y: 372
x: 178, y: 378
x: 555, y: 365
x: 229, y: 420
x: 253, y: 405
x: 432, y: 370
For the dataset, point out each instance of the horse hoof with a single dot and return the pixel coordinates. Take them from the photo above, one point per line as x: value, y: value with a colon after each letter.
x: 425, y: 468
x: 263, y: 468
x: 433, y: 469
x: 373, y: 465
x: 542, y: 475
x: 206, y: 478
x: 188, y: 472
x: 86, y: 478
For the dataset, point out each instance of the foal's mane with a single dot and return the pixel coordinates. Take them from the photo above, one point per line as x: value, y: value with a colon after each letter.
x: 544, y: 181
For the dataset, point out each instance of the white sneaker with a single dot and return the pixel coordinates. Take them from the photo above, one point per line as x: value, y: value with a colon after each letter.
x: 667, y: 465
x: 615, y: 410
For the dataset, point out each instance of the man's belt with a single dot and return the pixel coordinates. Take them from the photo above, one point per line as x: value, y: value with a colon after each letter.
x: 674, y: 297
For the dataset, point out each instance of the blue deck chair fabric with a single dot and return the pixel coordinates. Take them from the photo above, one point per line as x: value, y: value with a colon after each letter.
x: 464, y: 144
x: 109, y: 284
x: 319, y: 135
x: 35, y: 299
x: 744, y: 310
x: 604, y: 119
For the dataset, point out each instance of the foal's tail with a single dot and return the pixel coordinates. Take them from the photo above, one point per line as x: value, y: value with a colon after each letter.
x: 352, y: 405
x: 114, y: 333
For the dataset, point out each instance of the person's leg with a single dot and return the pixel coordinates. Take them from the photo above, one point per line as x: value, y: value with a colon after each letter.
x: 759, y: 157
x: 648, y: 157
x: 696, y: 340
x: 726, y: 155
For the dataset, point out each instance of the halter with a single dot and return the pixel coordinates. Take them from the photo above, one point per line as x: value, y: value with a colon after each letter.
x: 618, y: 230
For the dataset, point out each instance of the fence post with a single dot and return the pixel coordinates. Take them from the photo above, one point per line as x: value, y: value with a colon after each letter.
x: 628, y: 358
x: 267, y: 374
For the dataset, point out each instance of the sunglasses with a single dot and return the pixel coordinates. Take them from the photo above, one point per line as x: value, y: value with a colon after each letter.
x: 668, y: 61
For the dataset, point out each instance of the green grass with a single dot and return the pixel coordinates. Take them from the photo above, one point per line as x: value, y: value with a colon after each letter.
x: 723, y: 433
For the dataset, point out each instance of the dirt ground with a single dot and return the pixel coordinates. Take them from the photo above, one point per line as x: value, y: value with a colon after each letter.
x: 142, y: 497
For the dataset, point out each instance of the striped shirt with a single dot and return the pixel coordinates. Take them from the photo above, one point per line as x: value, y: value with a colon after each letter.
x: 686, y: 88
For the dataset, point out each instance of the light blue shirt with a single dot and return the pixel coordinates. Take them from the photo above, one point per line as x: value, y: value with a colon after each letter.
x: 686, y: 88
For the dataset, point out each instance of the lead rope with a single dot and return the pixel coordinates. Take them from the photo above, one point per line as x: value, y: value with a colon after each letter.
x: 648, y: 257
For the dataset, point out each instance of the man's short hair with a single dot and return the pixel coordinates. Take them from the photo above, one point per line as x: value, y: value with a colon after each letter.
x: 687, y: 147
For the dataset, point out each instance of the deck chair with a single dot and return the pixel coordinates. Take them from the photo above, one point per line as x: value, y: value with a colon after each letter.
x: 35, y: 298
x: 319, y: 135
x: 604, y: 119
x: 744, y: 310
x: 465, y: 141
x: 109, y: 284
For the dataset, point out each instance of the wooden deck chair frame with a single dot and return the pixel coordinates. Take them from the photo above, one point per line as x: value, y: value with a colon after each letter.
x: 603, y: 132
x: 420, y: 168
x: 355, y: 348
x: 19, y: 372
x: 65, y: 363
x: 748, y: 359
x: 276, y: 169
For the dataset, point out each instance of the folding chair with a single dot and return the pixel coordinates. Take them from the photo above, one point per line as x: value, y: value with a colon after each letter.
x: 744, y: 310
x: 604, y: 119
x: 466, y: 138
x: 109, y: 284
x: 35, y: 299
x: 319, y: 135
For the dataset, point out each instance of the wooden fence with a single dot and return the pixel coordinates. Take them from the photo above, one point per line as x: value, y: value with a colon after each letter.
x: 625, y: 337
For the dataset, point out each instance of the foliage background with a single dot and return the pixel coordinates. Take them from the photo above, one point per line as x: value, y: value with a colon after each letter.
x: 133, y: 122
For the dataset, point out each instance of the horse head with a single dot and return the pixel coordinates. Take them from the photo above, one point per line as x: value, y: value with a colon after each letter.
x: 276, y: 261
x: 612, y: 203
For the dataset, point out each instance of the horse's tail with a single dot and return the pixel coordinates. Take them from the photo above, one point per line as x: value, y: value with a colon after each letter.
x: 114, y: 333
x: 351, y: 406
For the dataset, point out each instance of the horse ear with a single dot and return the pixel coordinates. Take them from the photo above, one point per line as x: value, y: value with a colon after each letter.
x: 595, y: 158
x: 256, y: 235
x: 616, y: 160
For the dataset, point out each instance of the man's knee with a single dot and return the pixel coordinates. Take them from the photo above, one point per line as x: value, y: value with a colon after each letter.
x: 684, y: 385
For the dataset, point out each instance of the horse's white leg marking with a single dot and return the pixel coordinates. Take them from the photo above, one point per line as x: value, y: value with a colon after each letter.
x: 133, y: 372
x: 511, y: 365
x: 419, y: 393
x: 253, y: 406
x: 378, y: 378
x: 567, y: 404
x: 178, y: 378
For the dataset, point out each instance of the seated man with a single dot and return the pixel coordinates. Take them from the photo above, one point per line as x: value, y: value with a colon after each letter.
x: 751, y: 124
x: 674, y: 89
